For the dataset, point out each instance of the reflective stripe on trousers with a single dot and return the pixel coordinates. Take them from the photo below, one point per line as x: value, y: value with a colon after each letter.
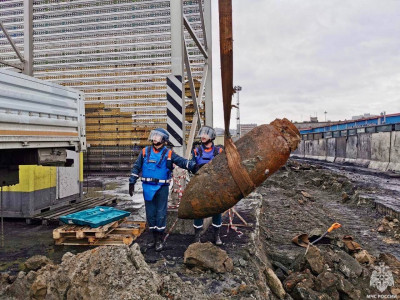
x: 216, y: 221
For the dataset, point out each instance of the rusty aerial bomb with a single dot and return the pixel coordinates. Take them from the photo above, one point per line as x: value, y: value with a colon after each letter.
x: 263, y: 151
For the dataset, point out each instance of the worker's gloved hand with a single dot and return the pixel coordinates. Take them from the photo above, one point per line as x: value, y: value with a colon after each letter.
x: 131, y: 189
x: 195, y: 168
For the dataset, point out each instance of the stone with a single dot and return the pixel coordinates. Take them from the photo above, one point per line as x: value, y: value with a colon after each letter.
x: 303, y: 292
x: 315, y: 260
x: 299, y: 263
x: 182, y: 226
x: 39, y: 288
x: 306, y: 195
x: 67, y: 256
x: 390, y: 260
x: 336, y: 186
x: 36, y: 262
x: 363, y: 257
x: 207, y: 256
x: 381, y: 229
x: 316, y: 233
x: 344, y: 286
x: 4, y: 282
x: 317, y: 181
x: 326, y: 281
x: 350, y: 244
x: 274, y: 283
x: 348, y: 265
x: 345, y: 197
x: 293, y: 279
x: 242, y: 262
x: 395, y: 291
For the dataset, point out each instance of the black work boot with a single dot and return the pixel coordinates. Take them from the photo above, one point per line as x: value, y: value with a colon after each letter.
x: 217, y: 239
x: 152, y: 243
x: 197, y: 235
x: 159, y: 242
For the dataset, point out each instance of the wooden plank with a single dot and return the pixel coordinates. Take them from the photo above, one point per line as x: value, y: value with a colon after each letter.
x: 81, y: 232
x: 80, y: 206
x: 116, y: 233
x: 51, y: 211
x: 112, y: 239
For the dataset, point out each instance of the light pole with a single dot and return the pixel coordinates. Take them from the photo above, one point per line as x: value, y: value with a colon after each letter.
x: 237, y: 89
x: 325, y: 112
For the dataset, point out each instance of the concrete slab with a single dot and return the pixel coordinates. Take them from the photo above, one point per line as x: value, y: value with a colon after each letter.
x: 330, y: 149
x: 377, y: 165
x: 351, y: 147
x: 380, y: 151
x: 341, y: 147
x: 340, y: 160
x: 183, y: 226
x: 394, y: 164
x: 364, y: 146
x: 299, y: 152
x: 362, y: 162
x: 308, y: 149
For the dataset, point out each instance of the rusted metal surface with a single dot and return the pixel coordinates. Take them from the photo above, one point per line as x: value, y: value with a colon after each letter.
x: 238, y: 172
x: 263, y: 151
x: 226, y: 49
x: 236, y: 169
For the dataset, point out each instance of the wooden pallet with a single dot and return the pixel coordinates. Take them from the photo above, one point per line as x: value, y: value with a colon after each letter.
x: 80, y: 232
x: 120, y: 232
x: 53, y: 215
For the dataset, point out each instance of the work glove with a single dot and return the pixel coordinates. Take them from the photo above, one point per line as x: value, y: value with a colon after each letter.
x: 131, y: 189
x: 195, y: 168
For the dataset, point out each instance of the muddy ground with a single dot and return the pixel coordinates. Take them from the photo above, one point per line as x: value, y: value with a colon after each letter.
x: 300, y: 198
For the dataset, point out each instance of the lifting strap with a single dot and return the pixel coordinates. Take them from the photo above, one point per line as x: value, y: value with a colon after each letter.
x: 237, y: 170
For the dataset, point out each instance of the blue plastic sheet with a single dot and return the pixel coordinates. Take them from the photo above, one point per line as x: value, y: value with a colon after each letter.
x: 95, y: 217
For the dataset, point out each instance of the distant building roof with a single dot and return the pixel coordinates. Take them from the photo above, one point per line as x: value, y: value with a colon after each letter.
x: 245, y: 128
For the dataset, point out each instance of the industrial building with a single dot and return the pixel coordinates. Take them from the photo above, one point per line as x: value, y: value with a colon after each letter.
x: 119, y: 54
x: 245, y: 128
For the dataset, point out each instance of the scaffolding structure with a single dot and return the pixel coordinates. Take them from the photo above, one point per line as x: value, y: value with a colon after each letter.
x: 118, y: 52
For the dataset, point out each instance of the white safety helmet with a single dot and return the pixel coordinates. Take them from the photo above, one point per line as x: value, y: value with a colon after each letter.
x: 159, y: 135
x: 207, y: 132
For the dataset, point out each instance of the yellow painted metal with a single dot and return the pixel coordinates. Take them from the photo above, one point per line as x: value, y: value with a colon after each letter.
x: 34, y: 178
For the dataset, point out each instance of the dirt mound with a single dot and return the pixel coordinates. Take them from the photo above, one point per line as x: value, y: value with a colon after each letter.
x: 104, y: 272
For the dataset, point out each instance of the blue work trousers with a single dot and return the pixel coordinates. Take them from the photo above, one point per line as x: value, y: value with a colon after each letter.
x: 156, y: 210
x: 216, y: 221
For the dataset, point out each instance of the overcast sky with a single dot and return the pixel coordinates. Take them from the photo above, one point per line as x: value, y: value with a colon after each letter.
x: 297, y: 59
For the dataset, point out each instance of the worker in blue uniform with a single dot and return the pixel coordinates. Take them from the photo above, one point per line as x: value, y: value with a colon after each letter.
x: 202, y: 155
x: 154, y: 165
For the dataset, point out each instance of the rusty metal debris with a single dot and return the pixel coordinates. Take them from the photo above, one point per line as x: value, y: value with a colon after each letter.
x: 351, y: 245
x: 301, y: 240
x: 213, y: 190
